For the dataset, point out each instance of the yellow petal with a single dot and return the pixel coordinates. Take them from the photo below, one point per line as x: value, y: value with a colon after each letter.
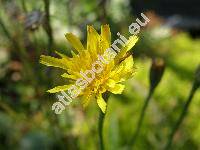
x: 124, y: 70
x: 93, y: 39
x: 55, y: 62
x: 75, y: 42
x: 59, y: 89
x: 128, y: 63
x: 106, y: 34
x: 110, y: 83
x: 62, y: 55
x: 73, y: 54
x: 118, y: 89
x: 131, y: 42
x: 101, y: 103
x: 69, y: 76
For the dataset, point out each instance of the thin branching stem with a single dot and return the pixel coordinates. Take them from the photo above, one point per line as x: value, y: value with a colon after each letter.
x: 142, y: 115
x: 181, y: 117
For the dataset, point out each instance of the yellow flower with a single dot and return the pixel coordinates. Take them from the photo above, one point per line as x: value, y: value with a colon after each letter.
x: 117, y: 66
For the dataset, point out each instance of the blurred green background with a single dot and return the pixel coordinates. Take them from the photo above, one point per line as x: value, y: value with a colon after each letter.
x: 29, y: 28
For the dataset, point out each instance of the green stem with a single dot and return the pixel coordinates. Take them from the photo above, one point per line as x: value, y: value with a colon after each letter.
x: 181, y: 117
x: 142, y: 115
x: 100, y: 130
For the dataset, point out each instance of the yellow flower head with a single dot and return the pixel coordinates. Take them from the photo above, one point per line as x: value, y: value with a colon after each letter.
x: 98, y: 68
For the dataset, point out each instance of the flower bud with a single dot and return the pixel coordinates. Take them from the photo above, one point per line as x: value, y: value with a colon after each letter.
x: 156, y: 72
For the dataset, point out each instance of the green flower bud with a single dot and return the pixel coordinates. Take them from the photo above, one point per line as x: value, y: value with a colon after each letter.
x: 156, y: 72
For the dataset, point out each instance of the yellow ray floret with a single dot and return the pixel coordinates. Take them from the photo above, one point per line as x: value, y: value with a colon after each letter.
x: 112, y: 68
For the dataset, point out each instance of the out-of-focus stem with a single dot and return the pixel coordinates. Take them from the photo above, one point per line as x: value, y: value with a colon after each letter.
x: 103, y: 13
x: 7, y: 34
x: 24, y: 6
x: 48, y: 27
x: 181, y: 117
x: 155, y: 76
x: 7, y: 108
x: 49, y: 31
x: 142, y: 115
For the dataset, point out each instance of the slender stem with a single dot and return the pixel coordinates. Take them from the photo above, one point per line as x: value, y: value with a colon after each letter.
x: 181, y: 117
x: 100, y: 130
x: 141, y: 118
